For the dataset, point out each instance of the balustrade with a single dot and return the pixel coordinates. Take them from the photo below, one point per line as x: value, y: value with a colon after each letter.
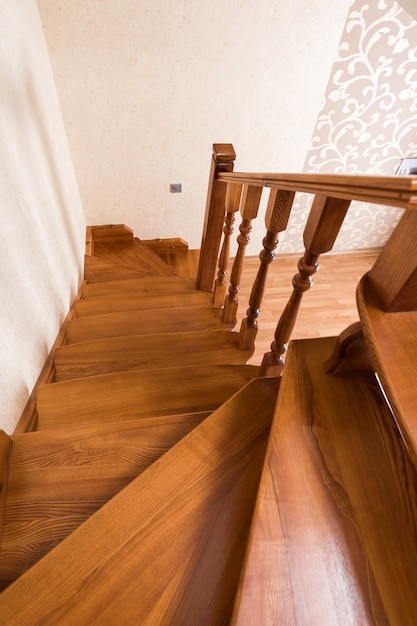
x: 251, y: 198
x: 394, y: 283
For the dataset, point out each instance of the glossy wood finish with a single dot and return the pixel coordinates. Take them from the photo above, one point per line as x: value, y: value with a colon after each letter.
x: 148, y: 285
x: 351, y: 354
x: 134, y: 254
x: 249, y: 206
x: 333, y: 536
x: 399, y: 191
x: 394, y: 274
x: 222, y: 161
x: 323, y: 224
x: 392, y: 343
x: 129, y: 302
x: 168, y: 548
x: 59, y: 479
x: 277, y: 215
x: 122, y: 354
x: 140, y: 393
x: 232, y: 204
x: 147, y: 322
x: 97, y: 269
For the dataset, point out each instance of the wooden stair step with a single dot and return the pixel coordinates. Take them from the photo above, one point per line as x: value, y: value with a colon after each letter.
x: 120, y: 354
x: 175, y: 253
x: 392, y: 343
x: 133, y: 254
x: 333, y: 533
x: 60, y: 478
x: 129, y: 302
x: 148, y: 284
x: 97, y: 270
x: 168, y: 548
x: 109, y: 232
x: 140, y: 393
x: 150, y: 322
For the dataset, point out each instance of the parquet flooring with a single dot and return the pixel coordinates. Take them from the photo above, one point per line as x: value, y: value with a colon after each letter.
x: 327, y: 308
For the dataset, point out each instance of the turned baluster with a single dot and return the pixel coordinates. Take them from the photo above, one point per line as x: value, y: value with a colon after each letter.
x: 249, y: 206
x: 276, y: 220
x: 322, y: 227
x: 233, y: 194
x: 222, y: 161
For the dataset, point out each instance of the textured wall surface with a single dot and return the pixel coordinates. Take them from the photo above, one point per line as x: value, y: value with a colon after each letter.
x: 368, y: 121
x: 42, y: 227
x: 146, y: 87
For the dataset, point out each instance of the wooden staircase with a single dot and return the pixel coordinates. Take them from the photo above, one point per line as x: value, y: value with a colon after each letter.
x: 117, y: 402
x: 161, y: 480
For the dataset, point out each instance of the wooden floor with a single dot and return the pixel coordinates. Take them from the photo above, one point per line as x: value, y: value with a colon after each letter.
x: 329, y: 306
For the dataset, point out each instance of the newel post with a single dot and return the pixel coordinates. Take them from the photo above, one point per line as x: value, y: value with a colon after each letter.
x: 222, y: 161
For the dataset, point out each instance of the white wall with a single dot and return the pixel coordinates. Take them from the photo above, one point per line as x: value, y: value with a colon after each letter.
x: 146, y: 87
x: 42, y: 227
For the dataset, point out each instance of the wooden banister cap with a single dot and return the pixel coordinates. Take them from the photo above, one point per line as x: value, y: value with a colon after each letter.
x: 224, y: 152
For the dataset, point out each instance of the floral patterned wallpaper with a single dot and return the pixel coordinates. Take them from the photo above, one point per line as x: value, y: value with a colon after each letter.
x: 368, y: 121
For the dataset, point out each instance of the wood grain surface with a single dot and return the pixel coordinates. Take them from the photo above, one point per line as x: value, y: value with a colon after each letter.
x: 168, y: 548
x: 333, y: 537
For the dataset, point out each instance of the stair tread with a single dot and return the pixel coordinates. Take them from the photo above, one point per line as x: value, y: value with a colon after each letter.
x: 147, y: 284
x: 131, y: 302
x: 117, y: 354
x: 150, y: 322
x: 134, y: 254
x: 392, y: 343
x: 176, y: 533
x: 146, y: 393
x: 333, y: 539
x: 97, y: 270
x: 59, y: 478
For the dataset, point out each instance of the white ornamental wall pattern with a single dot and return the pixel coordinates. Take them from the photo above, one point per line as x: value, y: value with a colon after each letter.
x: 368, y: 120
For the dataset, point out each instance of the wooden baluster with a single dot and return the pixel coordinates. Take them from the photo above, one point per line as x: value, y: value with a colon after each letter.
x: 322, y: 227
x: 222, y: 161
x: 232, y: 202
x: 276, y: 220
x: 249, y: 210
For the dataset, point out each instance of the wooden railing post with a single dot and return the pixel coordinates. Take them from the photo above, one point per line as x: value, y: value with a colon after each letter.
x: 276, y: 220
x: 322, y: 227
x: 222, y: 161
x: 232, y: 202
x: 394, y: 274
x: 251, y: 198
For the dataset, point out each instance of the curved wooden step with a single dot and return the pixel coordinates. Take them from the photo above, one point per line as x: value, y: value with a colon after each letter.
x: 97, y: 270
x: 121, y: 354
x: 129, y: 302
x: 392, y: 343
x: 168, y: 548
x: 146, y: 284
x: 59, y: 478
x: 333, y: 534
x: 145, y: 393
x: 132, y: 254
x: 149, y: 322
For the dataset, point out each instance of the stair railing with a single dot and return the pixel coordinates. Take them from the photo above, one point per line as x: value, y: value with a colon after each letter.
x: 332, y: 193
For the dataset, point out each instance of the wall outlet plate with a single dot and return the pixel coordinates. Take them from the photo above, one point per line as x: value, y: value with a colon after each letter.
x: 175, y: 188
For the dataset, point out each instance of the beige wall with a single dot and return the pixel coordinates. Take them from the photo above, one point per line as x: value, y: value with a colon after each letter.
x: 42, y: 224
x: 368, y: 121
x: 147, y: 87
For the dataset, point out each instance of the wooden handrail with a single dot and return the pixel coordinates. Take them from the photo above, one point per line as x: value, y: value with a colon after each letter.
x: 332, y: 193
x: 398, y: 191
